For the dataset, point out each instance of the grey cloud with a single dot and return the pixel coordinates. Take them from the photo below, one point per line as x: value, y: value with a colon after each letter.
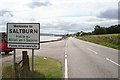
x: 32, y: 19
x: 77, y: 27
x: 70, y: 27
x: 4, y: 21
x: 109, y: 14
x: 6, y: 12
x: 2, y: 28
x: 38, y: 4
x: 5, y: 16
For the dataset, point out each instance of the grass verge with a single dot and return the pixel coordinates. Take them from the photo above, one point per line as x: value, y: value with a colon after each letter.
x: 109, y: 40
x: 43, y: 68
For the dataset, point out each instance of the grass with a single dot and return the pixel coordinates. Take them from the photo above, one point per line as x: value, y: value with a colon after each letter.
x: 49, y: 67
x: 109, y: 40
x: 43, y: 68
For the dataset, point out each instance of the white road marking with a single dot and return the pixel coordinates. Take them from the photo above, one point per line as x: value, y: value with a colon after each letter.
x: 66, y: 62
x: 93, y: 51
x: 66, y: 68
x: 65, y: 56
x: 112, y: 61
x: 65, y: 52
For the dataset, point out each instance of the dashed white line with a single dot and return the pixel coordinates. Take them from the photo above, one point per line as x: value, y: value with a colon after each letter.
x: 65, y: 56
x: 65, y: 52
x: 106, y: 58
x: 112, y: 61
x: 66, y: 44
x: 66, y: 62
x: 66, y: 68
x: 93, y: 51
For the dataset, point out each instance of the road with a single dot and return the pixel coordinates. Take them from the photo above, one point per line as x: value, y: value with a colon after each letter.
x: 89, y: 60
x: 80, y: 59
x: 51, y: 49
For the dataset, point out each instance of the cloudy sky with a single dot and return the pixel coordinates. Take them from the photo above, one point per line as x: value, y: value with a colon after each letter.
x: 60, y: 16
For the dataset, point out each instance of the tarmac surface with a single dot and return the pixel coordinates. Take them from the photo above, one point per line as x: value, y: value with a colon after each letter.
x: 80, y: 59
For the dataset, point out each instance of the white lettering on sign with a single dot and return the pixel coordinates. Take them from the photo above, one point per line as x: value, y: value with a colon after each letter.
x: 23, y: 33
x: 27, y: 46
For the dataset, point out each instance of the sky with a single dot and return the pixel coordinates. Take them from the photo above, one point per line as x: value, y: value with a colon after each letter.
x: 60, y: 16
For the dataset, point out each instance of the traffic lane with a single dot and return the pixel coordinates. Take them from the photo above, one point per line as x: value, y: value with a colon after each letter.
x: 51, y: 49
x: 103, y: 51
x: 84, y: 64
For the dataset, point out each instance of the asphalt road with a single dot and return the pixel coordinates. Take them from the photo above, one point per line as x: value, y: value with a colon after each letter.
x: 89, y: 60
x: 80, y: 59
x: 50, y: 49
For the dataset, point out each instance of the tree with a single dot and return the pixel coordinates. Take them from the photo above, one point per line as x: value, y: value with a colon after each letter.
x: 102, y: 30
x: 78, y: 34
x: 96, y: 29
x: 99, y: 30
x: 113, y: 29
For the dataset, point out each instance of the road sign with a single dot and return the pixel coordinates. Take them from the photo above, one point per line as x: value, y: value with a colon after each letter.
x: 23, y: 35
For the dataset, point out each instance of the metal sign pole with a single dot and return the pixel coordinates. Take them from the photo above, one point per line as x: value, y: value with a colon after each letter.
x: 14, y: 57
x: 15, y: 65
x: 32, y: 59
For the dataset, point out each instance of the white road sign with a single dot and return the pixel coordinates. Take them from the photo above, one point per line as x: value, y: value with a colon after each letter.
x: 23, y: 35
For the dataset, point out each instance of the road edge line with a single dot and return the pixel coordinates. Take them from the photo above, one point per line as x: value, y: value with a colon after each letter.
x: 92, y: 50
x: 112, y: 62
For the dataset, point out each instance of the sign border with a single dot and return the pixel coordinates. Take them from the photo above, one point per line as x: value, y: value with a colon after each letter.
x: 25, y: 48
x: 23, y: 43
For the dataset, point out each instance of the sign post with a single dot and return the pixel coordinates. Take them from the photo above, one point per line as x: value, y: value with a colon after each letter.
x: 14, y: 57
x: 23, y: 36
x: 32, y: 59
